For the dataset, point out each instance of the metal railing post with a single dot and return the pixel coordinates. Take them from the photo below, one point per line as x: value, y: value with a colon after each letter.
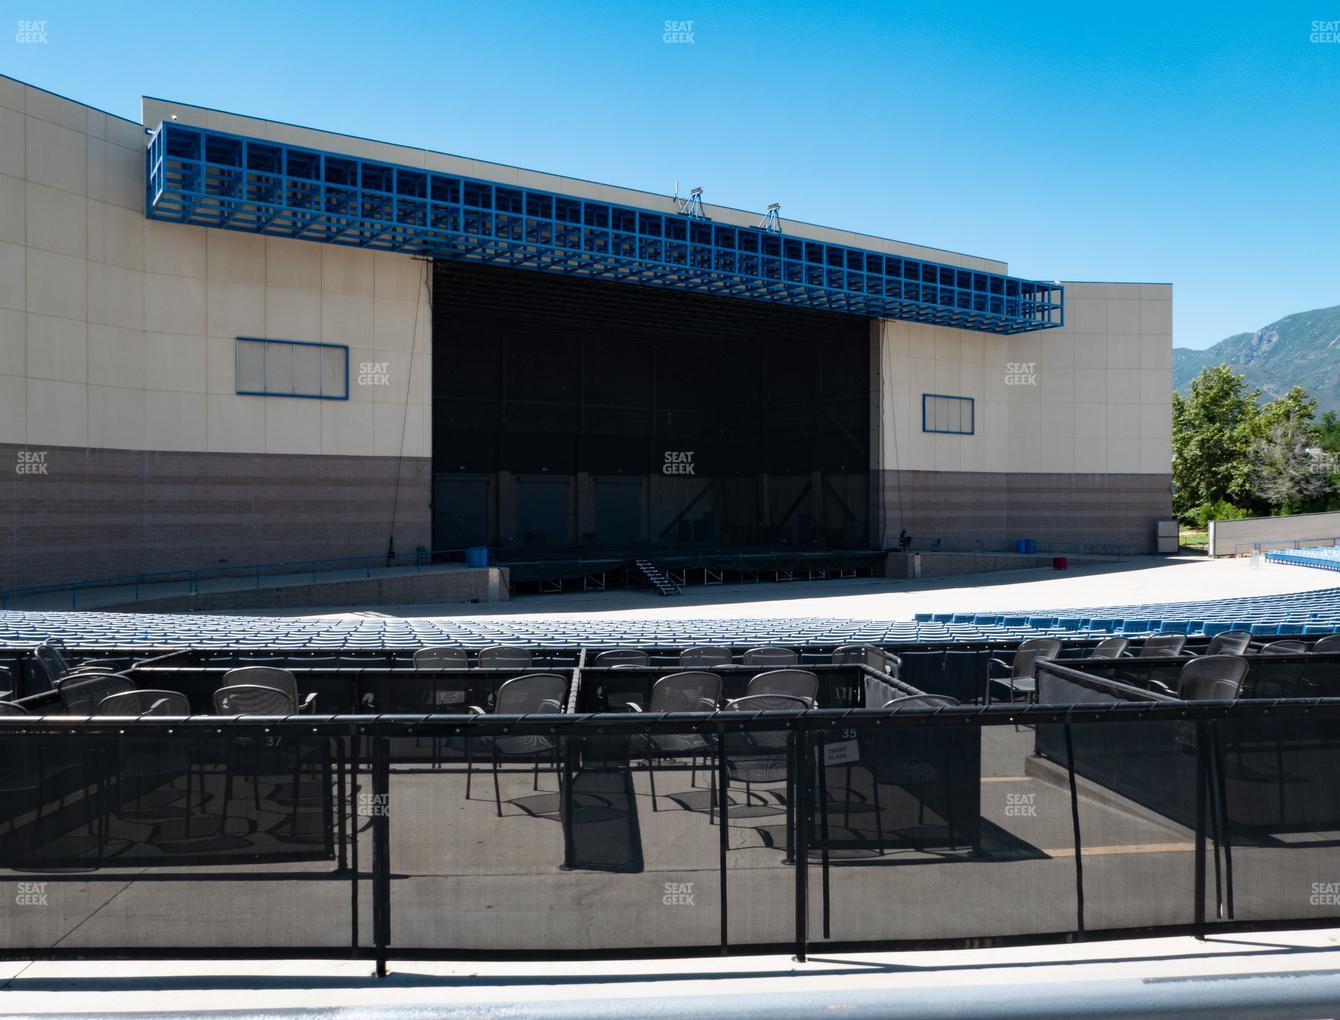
x: 1079, y: 839
x: 801, y: 821
x: 1201, y: 737
x: 381, y: 850
x: 723, y: 833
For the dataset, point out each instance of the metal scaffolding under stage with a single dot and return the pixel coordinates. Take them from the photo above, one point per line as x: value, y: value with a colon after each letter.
x: 214, y: 179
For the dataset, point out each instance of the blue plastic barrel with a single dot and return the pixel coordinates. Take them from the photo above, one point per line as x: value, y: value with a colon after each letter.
x: 477, y: 556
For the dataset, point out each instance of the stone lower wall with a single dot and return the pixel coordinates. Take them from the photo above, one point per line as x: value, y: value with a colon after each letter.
x: 69, y: 513
x: 905, y: 565
x: 972, y: 511
x: 466, y: 584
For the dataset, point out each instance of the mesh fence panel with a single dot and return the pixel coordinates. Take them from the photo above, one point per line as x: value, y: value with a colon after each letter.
x: 173, y: 842
x: 534, y: 843
x: 1274, y: 817
x: 936, y: 833
x: 625, y: 832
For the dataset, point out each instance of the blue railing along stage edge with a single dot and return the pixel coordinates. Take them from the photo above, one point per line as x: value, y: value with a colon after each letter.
x: 214, y: 179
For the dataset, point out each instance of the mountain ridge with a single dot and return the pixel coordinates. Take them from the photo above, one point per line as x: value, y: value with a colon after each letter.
x: 1302, y: 349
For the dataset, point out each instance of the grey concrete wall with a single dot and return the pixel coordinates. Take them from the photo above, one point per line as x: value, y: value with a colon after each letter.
x: 901, y: 565
x: 1078, y: 513
x: 97, y: 512
x: 487, y: 584
x: 1230, y: 538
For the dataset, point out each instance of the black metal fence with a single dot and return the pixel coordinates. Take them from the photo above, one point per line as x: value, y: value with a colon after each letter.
x: 624, y: 833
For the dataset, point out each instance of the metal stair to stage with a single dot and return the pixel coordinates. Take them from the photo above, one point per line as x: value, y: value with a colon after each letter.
x: 658, y: 578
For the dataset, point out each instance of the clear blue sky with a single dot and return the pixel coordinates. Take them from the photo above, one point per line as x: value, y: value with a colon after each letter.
x: 1195, y: 144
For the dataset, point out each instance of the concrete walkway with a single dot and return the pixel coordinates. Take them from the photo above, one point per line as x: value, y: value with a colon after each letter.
x: 1145, y: 579
x: 1261, y: 975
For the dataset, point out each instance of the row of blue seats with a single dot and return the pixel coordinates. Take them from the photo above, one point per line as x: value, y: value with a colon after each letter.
x: 1305, y: 613
x: 1071, y: 625
x: 1327, y: 558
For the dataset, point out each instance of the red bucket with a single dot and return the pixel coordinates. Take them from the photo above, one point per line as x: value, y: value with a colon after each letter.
x: 1059, y: 563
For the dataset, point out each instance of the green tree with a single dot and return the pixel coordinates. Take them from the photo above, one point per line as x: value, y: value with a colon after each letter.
x: 1296, y: 410
x: 1214, y: 429
x: 1329, y: 432
x: 1290, y: 470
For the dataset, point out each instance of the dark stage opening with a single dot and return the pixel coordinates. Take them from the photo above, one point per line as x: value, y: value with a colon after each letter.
x: 574, y: 413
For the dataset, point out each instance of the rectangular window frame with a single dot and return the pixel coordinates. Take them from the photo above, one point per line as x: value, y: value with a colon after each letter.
x: 266, y: 344
x: 926, y: 417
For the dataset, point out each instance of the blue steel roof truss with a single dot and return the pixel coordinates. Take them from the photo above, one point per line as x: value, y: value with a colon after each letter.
x: 214, y: 179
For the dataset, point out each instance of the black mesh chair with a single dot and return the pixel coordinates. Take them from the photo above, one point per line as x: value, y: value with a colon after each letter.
x: 1019, y: 675
x: 692, y: 691
x: 1229, y: 642
x: 80, y: 695
x: 1162, y: 646
x: 1212, y: 678
x: 1109, y: 648
x: 441, y: 658
x: 440, y: 695
x: 770, y: 655
x: 1285, y: 648
x: 271, y: 676
x: 253, y: 699
x: 52, y: 660
x: 87, y: 669
x: 503, y: 657
x: 869, y: 655
x: 1329, y: 644
x: 141, y: 765
x: 761, y: 756
x: 142, y: 701
x: 1218, y: 678
x: 800, y: 684
x: 622, y: 657
x: 1283, y: 679
x: 705, y: 655
x: 911, y: 760
x: 540, y: 693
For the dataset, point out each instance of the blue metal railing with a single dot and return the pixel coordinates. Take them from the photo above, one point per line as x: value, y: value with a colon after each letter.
x: 214, y: 179
x: 192, y: 578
